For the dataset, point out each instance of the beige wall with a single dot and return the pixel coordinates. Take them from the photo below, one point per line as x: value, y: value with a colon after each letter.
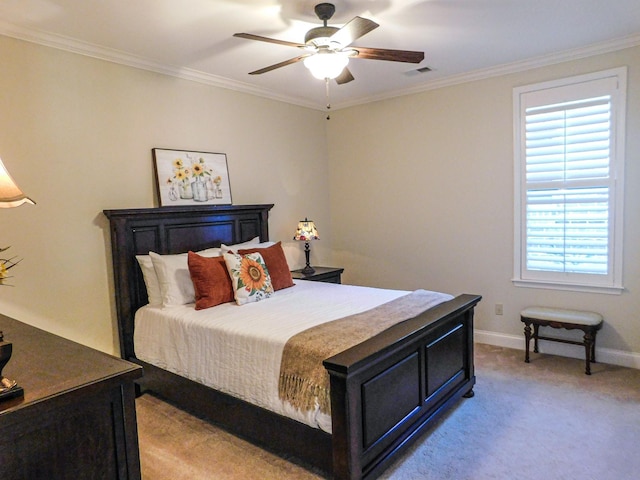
x: 76, y: 133
x: 422, y: 195
x: 413, y: 192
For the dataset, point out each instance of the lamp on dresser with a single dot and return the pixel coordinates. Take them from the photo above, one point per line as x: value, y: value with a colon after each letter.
x: 306, y: 232
x: 10, y: 196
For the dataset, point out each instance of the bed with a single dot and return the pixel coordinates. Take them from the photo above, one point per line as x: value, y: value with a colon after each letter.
x: 384, y: 392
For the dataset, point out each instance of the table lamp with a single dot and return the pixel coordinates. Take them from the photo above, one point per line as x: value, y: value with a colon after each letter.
x: 10, y: 196
x: 306, y: 232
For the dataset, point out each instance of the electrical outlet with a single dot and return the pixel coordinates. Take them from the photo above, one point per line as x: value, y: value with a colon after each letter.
x: 499, y: 308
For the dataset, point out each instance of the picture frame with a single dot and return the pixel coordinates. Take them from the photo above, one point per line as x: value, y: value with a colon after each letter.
x: 188, y: 177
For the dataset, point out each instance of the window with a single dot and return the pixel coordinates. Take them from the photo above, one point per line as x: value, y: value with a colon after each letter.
x: 569, y: 166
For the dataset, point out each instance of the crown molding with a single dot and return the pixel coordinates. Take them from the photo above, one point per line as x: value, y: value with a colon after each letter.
x: 123, y: 58
x: 505, y: 69
x: 119, y: 57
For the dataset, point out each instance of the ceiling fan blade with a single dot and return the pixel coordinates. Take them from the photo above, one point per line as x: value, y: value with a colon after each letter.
x: 354, y: 29
x: 278, y: 65
x: 390, y: 55
x: 344, y: 77
x: 250, y: 36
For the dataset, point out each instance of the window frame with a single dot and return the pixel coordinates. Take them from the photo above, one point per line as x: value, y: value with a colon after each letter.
x: 548, y: 93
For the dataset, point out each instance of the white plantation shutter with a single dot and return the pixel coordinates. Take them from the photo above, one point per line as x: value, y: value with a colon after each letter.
x: 568, y: 161
x: 568, y: 230
x: 566, y: 224
x: 568, y: 141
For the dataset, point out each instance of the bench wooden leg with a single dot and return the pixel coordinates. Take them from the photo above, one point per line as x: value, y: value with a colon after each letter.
x: 527, y: 340
x: 589, y: 346
x: 536, y: 329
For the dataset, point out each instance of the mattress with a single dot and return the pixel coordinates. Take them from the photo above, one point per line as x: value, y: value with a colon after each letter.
x: 238, y: 349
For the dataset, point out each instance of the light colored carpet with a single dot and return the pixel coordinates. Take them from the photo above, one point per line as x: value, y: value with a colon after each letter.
x: 543, y: 420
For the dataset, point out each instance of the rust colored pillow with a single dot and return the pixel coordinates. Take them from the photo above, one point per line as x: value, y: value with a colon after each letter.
x: 211, y: 281
x: 276, y: 264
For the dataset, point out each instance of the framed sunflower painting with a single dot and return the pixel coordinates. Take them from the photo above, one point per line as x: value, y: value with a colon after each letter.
x: 186, y: 177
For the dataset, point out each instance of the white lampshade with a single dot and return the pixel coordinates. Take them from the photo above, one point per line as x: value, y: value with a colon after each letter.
x: 10, y: 194
x: 326, y: 64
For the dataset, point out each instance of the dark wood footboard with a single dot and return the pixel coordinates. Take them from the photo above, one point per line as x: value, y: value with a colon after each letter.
x: 389, y: 389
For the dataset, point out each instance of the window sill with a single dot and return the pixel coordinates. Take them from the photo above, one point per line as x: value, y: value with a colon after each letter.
x: 609, y: 290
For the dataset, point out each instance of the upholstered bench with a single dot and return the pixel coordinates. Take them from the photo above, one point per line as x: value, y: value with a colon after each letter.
x: 588, y: 322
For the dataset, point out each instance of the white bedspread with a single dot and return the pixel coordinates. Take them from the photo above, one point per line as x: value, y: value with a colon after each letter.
x: 238, y: 349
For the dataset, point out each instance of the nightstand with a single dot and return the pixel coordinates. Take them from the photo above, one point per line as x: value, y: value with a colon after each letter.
x: 321, y: 274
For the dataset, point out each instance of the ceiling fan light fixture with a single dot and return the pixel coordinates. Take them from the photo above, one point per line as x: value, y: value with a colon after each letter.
x: 326, y: 64
x: 327, y: 49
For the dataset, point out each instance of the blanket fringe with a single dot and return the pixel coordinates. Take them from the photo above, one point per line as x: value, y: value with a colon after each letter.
x: 304, y: 394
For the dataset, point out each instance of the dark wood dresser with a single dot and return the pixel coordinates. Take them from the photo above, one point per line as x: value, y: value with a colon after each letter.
x: 77, y: 419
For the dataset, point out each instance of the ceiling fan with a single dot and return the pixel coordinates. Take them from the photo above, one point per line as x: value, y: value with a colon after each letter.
x: 328, y: 49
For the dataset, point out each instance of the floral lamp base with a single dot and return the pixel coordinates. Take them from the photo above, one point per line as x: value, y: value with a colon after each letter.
x: 308, y: 269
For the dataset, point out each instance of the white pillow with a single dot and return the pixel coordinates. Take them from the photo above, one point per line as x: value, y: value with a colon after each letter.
x: 249, y: 277
x: 174, y: 280
x: 253, y: 243
x: 210, y: 252
x: 150, y: 280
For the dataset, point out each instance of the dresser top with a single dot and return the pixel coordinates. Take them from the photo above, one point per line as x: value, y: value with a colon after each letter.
x: 46, y: 365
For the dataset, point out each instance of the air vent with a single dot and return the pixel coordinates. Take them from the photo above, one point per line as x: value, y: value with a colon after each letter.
x: 418, y: 71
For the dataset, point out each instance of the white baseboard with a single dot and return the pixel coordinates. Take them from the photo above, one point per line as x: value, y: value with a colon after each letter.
x: 603, y: 355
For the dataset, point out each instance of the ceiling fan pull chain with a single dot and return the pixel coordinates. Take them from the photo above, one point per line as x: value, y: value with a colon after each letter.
x: 326, y: 83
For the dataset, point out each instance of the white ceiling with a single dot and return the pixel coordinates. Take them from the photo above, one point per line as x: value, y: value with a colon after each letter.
x: 462, y: 39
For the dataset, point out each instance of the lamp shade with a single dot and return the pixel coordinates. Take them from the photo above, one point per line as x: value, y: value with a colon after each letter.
x: 326, y: 64
x: 10, y: 194
x: 306, y: 231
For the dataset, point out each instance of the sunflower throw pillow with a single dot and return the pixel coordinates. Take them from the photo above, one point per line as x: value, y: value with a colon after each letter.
x: 249, y: 277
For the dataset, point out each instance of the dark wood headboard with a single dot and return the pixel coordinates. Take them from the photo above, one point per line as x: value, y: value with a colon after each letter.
x: 169, y: 230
